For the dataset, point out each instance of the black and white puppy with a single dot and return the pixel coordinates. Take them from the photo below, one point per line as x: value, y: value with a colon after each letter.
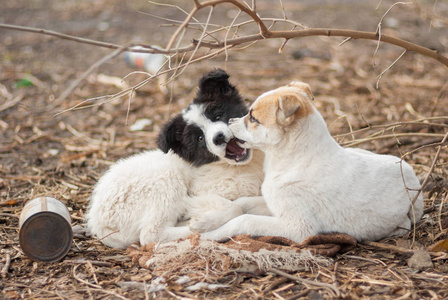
x: 197, y: 170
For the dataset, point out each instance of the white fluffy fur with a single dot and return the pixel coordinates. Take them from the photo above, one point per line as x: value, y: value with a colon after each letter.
x: 142, y: 198
x: 199, y: 168
x: 313, y: 185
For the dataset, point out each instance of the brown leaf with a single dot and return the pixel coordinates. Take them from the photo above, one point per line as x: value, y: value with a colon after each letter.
x: 440, y: 246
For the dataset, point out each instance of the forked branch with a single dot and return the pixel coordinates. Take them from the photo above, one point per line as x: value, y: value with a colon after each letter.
x: 218, y: 40
x: 264, y: 33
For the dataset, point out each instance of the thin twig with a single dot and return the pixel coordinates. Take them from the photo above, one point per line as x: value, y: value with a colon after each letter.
x: 129, y: 48
x: 82, y: 280
x: 9, y: 215
x: 264, y: 32
x: 327, y: 286
x: 228, y: 31
x: 380, y: 23
x: 123, y: 93
x: 436, y: 102
x: 59, y: 35
x: 178, y: 31
x: 393, y: 126
x: 388, y: 68
x: 393, y: 248
x: 105, y: 59
x: 93, y: 262
x: 440, y: 212
x: 175, y: 6
x: 198, y: 45
x: 283, y: 10
x: 5, y: 268
x: 92, y: 270
x: 388, y: 136
x: 129, y: 106
x: 433, y: 165
x: 376, y: 261
x: 11, y: 103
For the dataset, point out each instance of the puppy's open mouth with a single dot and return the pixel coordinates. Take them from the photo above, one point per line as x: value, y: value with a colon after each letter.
x: 235, y: 152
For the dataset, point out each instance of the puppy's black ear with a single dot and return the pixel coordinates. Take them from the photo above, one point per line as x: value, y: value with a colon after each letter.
x: 214, y: 82
x: 171, y: 135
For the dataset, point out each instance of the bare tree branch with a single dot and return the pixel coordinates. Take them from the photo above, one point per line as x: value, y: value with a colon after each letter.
x: 182, y: 27
x: 250, y: 12
x: 59, y: 35
x: 75, y: 83
x: 388, y: 68
x: 353, y: 34
x: 431, y: 170
x: 265, y: 33
x: 380, y: 24
x: 218, y: 39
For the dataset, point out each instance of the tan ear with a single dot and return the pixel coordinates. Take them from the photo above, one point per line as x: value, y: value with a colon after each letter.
x: 288, y: 105
x: 304, y: 87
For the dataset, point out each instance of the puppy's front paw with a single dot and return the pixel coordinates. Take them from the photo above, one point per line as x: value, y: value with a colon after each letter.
x: 212, y: 220
x: 202, y: 223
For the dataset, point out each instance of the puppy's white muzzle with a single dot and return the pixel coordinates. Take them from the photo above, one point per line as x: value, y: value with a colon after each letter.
x: 240, y: 132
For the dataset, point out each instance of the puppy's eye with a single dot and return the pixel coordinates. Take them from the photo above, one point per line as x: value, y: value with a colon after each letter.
x: 252, y: 119
x: 200, y: 139
x: 218, y: 117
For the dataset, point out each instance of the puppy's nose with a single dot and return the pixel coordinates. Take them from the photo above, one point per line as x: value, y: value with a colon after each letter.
x: 232, y: 121
x: 219, y: 139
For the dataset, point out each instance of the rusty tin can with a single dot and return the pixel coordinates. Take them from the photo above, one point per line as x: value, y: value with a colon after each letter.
x: 45, y: 229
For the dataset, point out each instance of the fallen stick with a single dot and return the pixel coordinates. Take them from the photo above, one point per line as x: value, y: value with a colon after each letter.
x: 93, y: 262
x: 400, y: 250
x: 327, y: 286
x: 5, y: 268
x: 10, y: 202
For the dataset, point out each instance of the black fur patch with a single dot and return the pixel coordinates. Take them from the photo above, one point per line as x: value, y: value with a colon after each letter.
x: 194, y: 149
x: 171, y: 135
x: 220, y: 97
x: 222, y: 101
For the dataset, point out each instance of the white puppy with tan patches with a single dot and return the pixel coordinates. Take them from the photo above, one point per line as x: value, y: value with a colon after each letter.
x: 312, y: 185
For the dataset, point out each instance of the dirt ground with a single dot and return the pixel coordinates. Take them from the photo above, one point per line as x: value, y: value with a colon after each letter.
x: 44, y: 153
